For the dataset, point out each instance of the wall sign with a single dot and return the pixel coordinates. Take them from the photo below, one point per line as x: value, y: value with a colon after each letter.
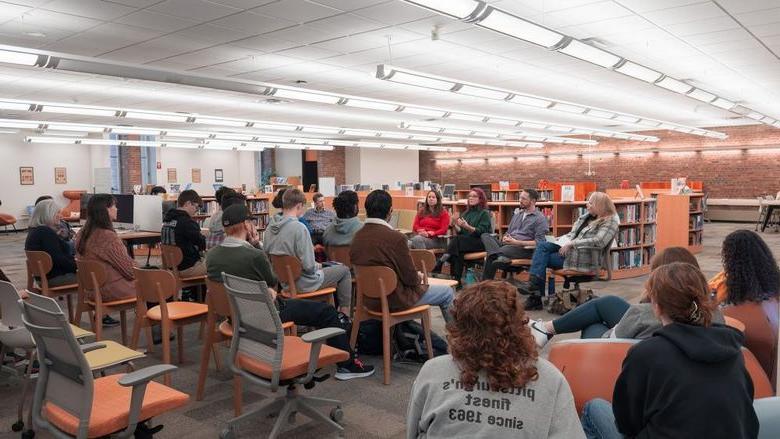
x: 218, y: 176
x: 171, y: 175
x: 26, y: 175
x: 196, y: 175
x: 60, y: 176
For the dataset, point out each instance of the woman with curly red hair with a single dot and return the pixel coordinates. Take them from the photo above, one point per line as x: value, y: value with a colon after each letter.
x: 493, y: 384
x: 469, y: 227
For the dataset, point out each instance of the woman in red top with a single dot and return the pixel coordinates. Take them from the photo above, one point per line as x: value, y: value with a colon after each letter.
x: 430, y: 224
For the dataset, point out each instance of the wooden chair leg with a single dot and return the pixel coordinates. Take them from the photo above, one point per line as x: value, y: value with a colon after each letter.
x: 137, y: 323
x: 123, y: 326
x: 217, y: 360
x: 165, y: 333
x: 237, y: 396
x: 355, y: 328
x: 180, y: 343
x: 202, y: 328
x: 204, y: 356
x: 71, y: 310
x: 97, y: 324
x: 386, y: 353
x: 426, y: 324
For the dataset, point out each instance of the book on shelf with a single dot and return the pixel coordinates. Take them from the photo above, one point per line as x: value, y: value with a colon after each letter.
x: 695, y: 204
x: 696, y: 222
x: 545, y: 194
x: 651, y: 211
x: 694, y: 238
x: 627, y: 237
x: 548, y: 213
x: 647, y: 254
x: 649, y: 232
x: 208, y: 207
x: 257, y: 206
x: 260, y: 221
x: 624, y: 259
x: 628, y: 213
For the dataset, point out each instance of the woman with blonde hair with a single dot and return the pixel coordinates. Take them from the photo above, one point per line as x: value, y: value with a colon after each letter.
x: 493, y: 383
x: 579, y: 250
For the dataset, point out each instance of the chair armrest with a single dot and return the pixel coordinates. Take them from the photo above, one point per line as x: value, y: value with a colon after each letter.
x: 321, y: 334
x: 145, y: 375
x: 88, y: 347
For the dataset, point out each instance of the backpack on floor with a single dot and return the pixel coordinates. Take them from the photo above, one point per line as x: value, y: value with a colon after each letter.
x: 566, y: 300
x: 369, y: 339
x: 408, y: 339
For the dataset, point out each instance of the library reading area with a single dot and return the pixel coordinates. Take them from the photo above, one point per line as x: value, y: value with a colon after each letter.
x: 389, y: 219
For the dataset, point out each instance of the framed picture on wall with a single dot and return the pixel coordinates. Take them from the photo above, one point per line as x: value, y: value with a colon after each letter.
x: 60, y: 176
x: 196, y: 175
x: 218, y: 176
x: 26, y: 175
x: 171, y: 175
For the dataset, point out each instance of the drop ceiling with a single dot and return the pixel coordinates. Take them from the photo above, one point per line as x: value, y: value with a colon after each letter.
x: 729, y: 47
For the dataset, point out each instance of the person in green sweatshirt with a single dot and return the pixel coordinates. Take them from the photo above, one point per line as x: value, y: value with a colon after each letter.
x: 469, y: 227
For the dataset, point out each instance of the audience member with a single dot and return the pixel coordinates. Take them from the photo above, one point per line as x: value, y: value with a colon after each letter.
x: 237, y: 256
x: 276, y: 203
x: 377, y: 243
x: 347, y: 223
x: 527, y: 228
x: 42, y: 235
x: 469, y: 227
x: 216, y: 231
x: 181, y: 230
x: 64, y: 230
x: 318, y: 217
x: 673, y: 384
x: 579, y: 250
x: 493, y: 384
x: 613, y: 316
x: 430, y: 224
x: 285, y: 235
x: 752, y: 286
x: 158, y: 190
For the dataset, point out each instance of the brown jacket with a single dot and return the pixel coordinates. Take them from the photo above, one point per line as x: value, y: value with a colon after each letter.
x: 377, y: 244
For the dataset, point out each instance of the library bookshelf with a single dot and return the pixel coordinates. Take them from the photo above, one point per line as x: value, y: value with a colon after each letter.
x: 680, y: 221
x: 258, y: 206
x: 548, y: 191
x: 634, y: 246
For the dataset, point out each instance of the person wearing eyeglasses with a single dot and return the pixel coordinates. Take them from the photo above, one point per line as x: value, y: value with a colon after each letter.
x: 180, y: 229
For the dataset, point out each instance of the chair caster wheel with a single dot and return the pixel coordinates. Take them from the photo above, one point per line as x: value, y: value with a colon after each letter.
x: 18, y: 426
x: 227, y: 433
x: 28, y: 434
x: 336, y: 415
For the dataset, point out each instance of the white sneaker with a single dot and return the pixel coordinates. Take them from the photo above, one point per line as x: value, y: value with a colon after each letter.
x: 540, y: 335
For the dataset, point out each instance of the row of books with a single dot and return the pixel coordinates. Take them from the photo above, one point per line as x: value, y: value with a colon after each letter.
x: 629, y: 213
x: 695, y: 238
x: 651, y: 210
x: 696, y: 222
x: 208, y: 207
x: 624, y: 259
x: 695, y: 204
x: 261, y: 222
x: 548, y: 213
x: 649, y: 232
x: 546, y: 195
x: 627, y: 237
x: 505, y: 196
x: 258, y: 206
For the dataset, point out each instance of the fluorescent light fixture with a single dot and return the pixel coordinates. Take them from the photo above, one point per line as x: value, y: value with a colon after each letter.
x: 232, y: 136
x: 306, y: 147
x: 82, y: 111
x: 65, y: 133
x: 306, y: 96
x: 317, y: 130
x: 454, y: 8
x: 480, y: 92
x: 627, y: 119
x: 569, y: 108
x: 482, y: 134
x: 586, y: 52
x: 371, y: 105
x: 755, y: 115
x: 222, y: 147
x: 534, y: 125
x: 6, y: 123
x: 508, y: 24
x: 559, y: 129
x: 500, y: 121
x: 10, y: 57
x: 600, y: 113
x: 701, y: 95
x: 280, y: 127
x: 529, y: 100
x: 9, y: 131
x: 469, y: 117
x: 18, y: 106
x: 424, y: 112
x: 674, y: 85
x: 136, y: 130
x: 639, y: 72
x: 410, y: 78
x: 458, y: 132
x: 159, y: 117
x: 425, y: 128
x: 220, y: 122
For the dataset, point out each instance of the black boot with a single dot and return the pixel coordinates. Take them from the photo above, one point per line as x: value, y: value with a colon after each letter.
x: 534, y: 287
x: 533, y: 303
x: 440, y: 262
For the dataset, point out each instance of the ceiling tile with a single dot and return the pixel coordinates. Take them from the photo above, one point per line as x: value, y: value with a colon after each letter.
x: 9, y: 10
x: 588, y: 13
x: 57, y: 20
x: 300, y: 11
x: 212, y: 55
x: 758, y: 18
x: 136, y: 3
x: 350, y: 5
x: 395, y: 13
x: 685, y: 14
x: 265, y: 44
x: 254, y: 24
x: 742, y: 6
x: 156, y: 21
x: 158, y: 48
x: 309, y: 53
x: 198, y: 10
x: 103, y: 39
x: 657, y: 5
x: 97, y: 9
x: 717, y: 24
x: 243, y: 4
x: 213, y: 35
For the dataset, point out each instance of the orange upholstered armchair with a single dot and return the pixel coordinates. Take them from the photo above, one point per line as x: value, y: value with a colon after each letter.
x: 7, y: 219
x: 72, y: 210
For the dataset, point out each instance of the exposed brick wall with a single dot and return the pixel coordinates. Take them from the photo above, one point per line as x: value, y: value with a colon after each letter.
x: 130, y: 161
x: 332, y: 164
x: 726, y: 174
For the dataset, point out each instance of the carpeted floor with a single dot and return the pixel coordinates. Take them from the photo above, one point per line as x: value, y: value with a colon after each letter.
x: 371, y: 410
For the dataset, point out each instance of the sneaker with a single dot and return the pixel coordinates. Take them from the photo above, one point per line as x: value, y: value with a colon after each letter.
x: 109, y: 321
x: 540, y: 335
x: 353, y: 369
x: 503, y: 260
x: 533, y: 303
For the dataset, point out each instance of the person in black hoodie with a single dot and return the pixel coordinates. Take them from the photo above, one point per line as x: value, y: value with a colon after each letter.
x: 688, y: 380
x: 181, y: 230
x: 42, y: 235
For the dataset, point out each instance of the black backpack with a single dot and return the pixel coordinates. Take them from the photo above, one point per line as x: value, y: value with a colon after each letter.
x: 407, y: 338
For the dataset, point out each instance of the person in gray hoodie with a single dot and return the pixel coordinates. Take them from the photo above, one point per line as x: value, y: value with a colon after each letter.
x: 493, y: 384
x: 343, y: 228
x: 286, y: 235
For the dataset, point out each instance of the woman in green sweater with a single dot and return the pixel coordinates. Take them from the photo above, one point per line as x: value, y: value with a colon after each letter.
x: 469, y: 226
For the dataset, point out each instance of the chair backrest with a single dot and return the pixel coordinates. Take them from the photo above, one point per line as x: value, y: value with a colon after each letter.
x: 91, y: 275
x: 39, y: 265
x: 576, y: 358
x: 339, y: 253
x: 374, y: 282
x: 424, y: 260
x: 64, y: 377
x: 10, y: 314
x: 762, y: 387
x: 154, y: 285
x: 260, y: 334
x: 288, y: 269
x: 171, y: 256
x: 217, y: 299
x: 606, y: 261
x: 760, y: 331
x: 768, y: 413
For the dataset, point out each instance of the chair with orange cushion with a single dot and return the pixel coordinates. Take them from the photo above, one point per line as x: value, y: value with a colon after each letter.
x: 377, y: 282
x: 70, y: 403
x: 157, y: 286
x: 92, y: 276
x: 72, y: 210
x: 38, y: 266
x: 171, y: 258
x: 288, y: 268
x: 261, y: 354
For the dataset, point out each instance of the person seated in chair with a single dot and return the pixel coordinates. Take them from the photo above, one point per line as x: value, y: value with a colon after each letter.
x: 581, y: 250
x: 216, y: 231
x: 377, y: 243
x: 342, y: 230
x: 430, y: 224
x: 527, y: 228
x: 319, y: 218
x: 181, y: 230
x: 43, y: 235
x: 237, y: 255
x: 64, y: 230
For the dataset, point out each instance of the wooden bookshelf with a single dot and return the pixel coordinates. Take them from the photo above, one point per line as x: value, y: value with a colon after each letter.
x: 259, y: 207
x: 550, y: 191
x: 680, y: 221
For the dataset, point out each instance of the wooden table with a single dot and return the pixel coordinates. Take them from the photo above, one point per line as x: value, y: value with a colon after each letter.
x: 136, y: 238
x: 771, y: 205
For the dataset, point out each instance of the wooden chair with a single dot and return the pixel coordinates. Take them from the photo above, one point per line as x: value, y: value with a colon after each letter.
x: 159, y: 286
x: 92, y: 277
x: 172, y: 256
x: 39, y: 264
x: 218, y: 309
x: 288, y: 268
x: 375, y: 282
x: 424, y: 261
x: 339, y: 253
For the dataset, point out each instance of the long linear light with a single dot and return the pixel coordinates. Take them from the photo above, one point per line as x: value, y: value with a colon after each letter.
x: 403, y: 76
x: 258, y: 146
x: 498, y: 20
x: 535, y: 138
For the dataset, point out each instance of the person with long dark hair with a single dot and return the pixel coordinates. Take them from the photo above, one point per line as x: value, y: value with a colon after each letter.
x: 469, y: 226
x: 493, y: 384
x: 749, y: 291
x: 687, y: 381
x: 98, y: 240
x: 430, y: 224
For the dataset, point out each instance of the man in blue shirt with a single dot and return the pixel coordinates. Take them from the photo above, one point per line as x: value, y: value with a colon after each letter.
x: 527, y: 228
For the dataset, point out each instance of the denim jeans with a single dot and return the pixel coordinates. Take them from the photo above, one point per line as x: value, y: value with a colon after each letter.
x: 441, y: 296
x: 546, y: 255
x: 598, y: 420
x: 593, y: 318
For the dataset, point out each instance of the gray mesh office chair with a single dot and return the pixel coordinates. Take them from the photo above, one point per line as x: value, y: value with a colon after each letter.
x: 13, y: 336
x: 263, y: 355
x: 70, y: 403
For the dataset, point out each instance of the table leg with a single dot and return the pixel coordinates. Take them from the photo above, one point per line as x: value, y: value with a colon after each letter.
x: 769, y: 210
x: 129, y: 243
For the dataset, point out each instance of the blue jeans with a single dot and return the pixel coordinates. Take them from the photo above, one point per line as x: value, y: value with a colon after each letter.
x: 441, y: 296
x: 598, y: 420
x: 546, y: 255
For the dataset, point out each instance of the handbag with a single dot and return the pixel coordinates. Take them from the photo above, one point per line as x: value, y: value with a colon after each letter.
x: 566, y: 300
